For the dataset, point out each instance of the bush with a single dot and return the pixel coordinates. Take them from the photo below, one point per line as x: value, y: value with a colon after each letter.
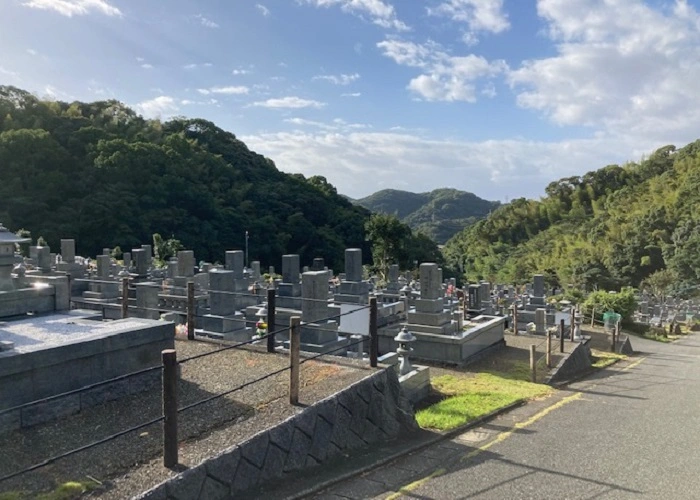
x: 622, y: 303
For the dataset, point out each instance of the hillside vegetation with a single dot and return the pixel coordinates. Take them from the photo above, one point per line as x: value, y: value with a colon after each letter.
x: 439, y: 214
x: 613, y: 227
x: 101, y: 174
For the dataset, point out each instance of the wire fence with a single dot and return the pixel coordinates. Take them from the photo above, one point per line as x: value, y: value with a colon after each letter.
x: 344, y: 347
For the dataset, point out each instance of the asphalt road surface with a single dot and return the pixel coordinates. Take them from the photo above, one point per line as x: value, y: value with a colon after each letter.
x: 627, y: 432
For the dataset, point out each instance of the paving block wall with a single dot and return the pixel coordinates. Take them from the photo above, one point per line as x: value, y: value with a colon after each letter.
x: 576, y: 362
x: 370, y: 411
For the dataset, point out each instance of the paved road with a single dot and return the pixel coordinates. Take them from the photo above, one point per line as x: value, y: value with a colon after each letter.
x: 628, y: 432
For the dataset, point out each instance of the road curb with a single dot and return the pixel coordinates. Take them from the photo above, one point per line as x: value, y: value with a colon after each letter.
x: 438, y: 436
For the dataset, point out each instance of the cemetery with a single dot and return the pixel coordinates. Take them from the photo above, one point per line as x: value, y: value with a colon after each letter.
x: 98, y: 321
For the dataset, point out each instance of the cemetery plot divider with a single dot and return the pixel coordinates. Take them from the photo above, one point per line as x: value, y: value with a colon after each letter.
x: 163, y: 418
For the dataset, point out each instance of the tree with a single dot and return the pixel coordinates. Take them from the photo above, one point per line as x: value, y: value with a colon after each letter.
x: 660, y: 282
x: 387, y: 236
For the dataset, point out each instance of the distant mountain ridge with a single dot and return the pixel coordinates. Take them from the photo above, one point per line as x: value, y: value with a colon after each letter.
x: 440, y: 214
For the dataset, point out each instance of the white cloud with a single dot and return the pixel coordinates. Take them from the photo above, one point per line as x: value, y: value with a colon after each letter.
x: 240, y: 72
x: 291, y: 102
x: 72, y: 8
x: 479, y: 16
x: 341, y: 79
x: 32, y: 52
x: 263, y: 10
x: 147, y: 66
x: 379, y: 12
x: 351, y: 94
x: 195, y: 66
x: 159, y: 107
x: 230, y: 90
x: 445, y: 77
x: 337, y: 125
x: 492, y: 169
x: 621, y: 67
x: 235, y: 90
x: 208, y: 23
x: 10, y: 73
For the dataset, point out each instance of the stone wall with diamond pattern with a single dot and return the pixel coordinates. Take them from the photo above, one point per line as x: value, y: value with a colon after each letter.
x: 369, y: 411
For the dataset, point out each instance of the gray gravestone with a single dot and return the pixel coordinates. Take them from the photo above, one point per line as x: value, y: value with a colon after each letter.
x: 353, y: 264
x: 235, y: 260
x: 68, y: 251
x: 185, y: 263
x: 290, y: 268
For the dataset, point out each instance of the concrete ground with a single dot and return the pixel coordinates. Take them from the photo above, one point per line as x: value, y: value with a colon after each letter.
x: 625, y: 432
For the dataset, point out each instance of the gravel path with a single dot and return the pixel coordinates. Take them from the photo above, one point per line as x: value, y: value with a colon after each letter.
x: 133, y: 463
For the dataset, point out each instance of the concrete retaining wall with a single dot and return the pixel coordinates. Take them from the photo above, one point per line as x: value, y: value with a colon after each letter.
x: 370, y: 411
x: 576, y: 362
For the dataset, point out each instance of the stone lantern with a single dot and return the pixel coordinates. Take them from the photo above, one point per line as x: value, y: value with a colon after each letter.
x: 405, y: 338
x: 7, y: 256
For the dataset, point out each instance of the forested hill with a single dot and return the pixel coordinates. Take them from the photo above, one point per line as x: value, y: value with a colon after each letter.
x: 101, y: 174
x: 612, y: 227
x: 439, y: 214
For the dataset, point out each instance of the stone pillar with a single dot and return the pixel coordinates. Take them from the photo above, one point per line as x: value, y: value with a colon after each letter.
x: 221, y: 304
x: 104, y: 265
x: 235, y: 260
x: 430, y: 281
x: 541, y: 321
x: 314, y: 296
x: 147, y: 300
x: 126, y: 257
x: 353, y: 264
x: 140, y: 261
x: 185, y: 263
x: 43, y: 259
x: 68, y: 251
x: 290, y: 268
x: 255, y: 268
x: 318, y: 264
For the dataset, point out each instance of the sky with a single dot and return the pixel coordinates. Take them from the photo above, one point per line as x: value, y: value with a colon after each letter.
x: 494, y: 97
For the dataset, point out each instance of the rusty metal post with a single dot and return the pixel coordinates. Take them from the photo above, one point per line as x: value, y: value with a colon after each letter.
x: 170, y: 453
x: 271, y: 319
x: 294, y: 348
x: 561, y: 335
x: 373, y: 333
x: 190, y: 310
x: 125, y: 297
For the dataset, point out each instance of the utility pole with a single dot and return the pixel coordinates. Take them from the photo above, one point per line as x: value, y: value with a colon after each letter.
x: 246, y: 249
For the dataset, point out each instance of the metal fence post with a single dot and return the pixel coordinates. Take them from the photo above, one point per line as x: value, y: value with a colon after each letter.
x: 533, y: 363
x: 170, y: 455
x: 271, y: 319
x: 294, y: 348
x: 125, y: 297
x: 373, y: 333
x: 190, y: 310
x: 562, y: 330
x: 549, y: 349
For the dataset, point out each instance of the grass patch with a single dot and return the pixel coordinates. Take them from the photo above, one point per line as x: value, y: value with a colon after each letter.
x: 470, y: 397
x: 602, y: 359
x: 70, y: 490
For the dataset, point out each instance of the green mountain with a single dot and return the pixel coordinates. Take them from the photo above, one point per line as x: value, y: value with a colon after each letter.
x: 101, y: 174
x: 617, y: 226
x: 439, y: 214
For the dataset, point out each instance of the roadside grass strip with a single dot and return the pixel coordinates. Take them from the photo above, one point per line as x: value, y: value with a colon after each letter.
x: 468, y: 398
x: 602, y: 359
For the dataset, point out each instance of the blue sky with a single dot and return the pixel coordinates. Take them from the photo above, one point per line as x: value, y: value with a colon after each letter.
x: 496, y: 97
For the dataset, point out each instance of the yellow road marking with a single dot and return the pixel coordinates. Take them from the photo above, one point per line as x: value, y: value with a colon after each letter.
x: 499, y: 438
x: 632, y: 365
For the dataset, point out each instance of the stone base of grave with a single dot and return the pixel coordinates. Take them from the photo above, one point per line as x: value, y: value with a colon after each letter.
x: 242, y: 335
x: 58, y: 353
x: 228, y: 328
x: 288, y: 302
x: 289, y: 290
x: 344, y: 298
x: 416, y: 383
x: 479, y: 334
x: 335, y: 347
x: 429, y: 319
